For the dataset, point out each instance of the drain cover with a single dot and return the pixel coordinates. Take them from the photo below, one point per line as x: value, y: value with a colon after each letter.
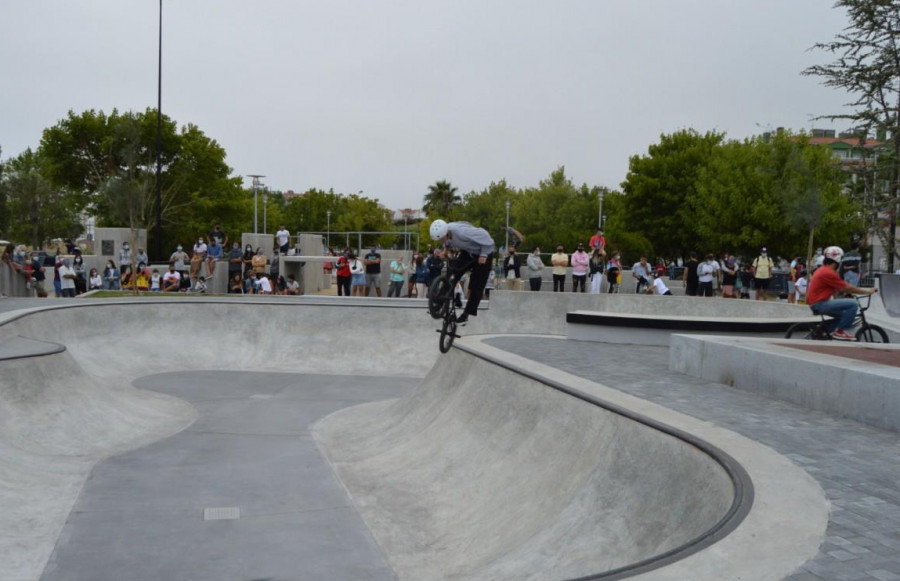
x: 222, y: 513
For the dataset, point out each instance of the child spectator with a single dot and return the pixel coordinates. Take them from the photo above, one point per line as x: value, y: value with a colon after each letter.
x: 293, y: 287
x: 155, y: 281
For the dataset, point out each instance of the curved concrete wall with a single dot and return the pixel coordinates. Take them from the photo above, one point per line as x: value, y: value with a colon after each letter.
x: 485, y: 474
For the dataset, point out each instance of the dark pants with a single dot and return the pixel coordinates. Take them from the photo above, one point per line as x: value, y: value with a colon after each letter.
x: 690, y: 289
x: 578, y: 280
x: 477, y: 280
x: 394, y: 288
x: 641, y: 284
x: 535, y: 283
x: 343, y: 283
x: 706, y: 289
x: 68, y: 293
x: 559, y: 283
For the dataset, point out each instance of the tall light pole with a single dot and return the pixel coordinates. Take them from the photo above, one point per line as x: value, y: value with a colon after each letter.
x: 507, y: 224
x: 159, y: 252
x: 405, y: 235
x: 328, y: 231
x: 265, y: 209
x: 256, y: 184
x: 600, y: 211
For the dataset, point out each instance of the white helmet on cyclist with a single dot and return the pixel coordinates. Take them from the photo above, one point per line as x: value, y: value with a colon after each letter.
x: 438, y: 230
x: 833, y: 253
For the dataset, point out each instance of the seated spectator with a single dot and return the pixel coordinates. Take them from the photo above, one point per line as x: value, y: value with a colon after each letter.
x: 171, y: 280
x: 127, y: 277
x: 200, y: 285
x: 214, y: 253
x: 264, y: 287
x: 142, y: 279
x: 280, y: 286
x: 293, y: 287
x: 95, y: 282
x: 251, y: 286
x: 111, y: 276
x: 659, y: 286
x: 237, y: 284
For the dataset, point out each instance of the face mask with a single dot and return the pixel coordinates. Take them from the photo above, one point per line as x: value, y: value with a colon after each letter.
x: 179, y: 249
x: 125, y: 246
x: 200, y: 241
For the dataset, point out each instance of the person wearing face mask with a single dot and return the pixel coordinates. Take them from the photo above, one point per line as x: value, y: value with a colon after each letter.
x: 762, y: 273
x: 214, y: 254
x: 67, y: 279
x: 124, y: 256
x: 706, y: 274
x: 80, y: 274
x: 580, y: 262
x: 180, y: 260
x: 560, y: 261
x: 511, y: 266
x: 235, y: 261
x: 596, y: 269
x: 535, y: 269
x: 141, y: 256
x: 197, y: 259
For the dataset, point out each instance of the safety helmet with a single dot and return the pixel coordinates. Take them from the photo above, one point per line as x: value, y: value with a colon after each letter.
x: 834, y: 253
x: 438, y: 229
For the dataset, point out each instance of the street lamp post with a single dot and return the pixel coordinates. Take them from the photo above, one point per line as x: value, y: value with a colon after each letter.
x: 507, y: 224
x: 159, y: 251
x: 265, y: 209
x: 405, y: 235
x: 600, y: 211
x: 328, y: 231
x: 256, y: 184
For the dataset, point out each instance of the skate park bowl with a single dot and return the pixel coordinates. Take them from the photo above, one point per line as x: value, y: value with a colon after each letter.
x: 492, y: 467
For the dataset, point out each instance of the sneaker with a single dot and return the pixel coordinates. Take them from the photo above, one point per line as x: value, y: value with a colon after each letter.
x: 461, y: 319
x: 842, y: 335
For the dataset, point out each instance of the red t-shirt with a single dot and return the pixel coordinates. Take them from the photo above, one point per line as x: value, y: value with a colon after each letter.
x: 597, y: 241
x: 343, y: 267
x: 823, y: 284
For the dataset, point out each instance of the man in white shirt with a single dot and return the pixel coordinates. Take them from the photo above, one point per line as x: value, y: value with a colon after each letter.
x: 283, y: 237
x: 171, y: 280
x: 263, y: 284
x: 67, y: 279
x: 659, y: 286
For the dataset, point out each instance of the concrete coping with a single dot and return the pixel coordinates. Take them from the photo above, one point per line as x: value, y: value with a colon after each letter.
x: 778, y: 510
x: 19, y: 347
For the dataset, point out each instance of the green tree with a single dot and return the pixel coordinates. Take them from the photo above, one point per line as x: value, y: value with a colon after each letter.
x: 867, y: 65
x: 38, y: 209
x: 441, y: 199
x: 556, y: 212
x: 659, y: 185
x: 487, y: 209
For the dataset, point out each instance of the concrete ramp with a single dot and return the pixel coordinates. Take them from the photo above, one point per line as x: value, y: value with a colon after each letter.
x: 890, y: 293
x: 483, y: 473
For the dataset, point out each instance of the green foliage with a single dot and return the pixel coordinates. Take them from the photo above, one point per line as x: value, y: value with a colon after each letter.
x: 441, y: 199
x: 659, y: 185
x: 556, y: 212
x: 39, y: 209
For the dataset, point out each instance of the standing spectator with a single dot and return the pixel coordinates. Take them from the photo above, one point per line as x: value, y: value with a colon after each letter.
x: 818, y: 259
x: 373, y: 271
x: 560, y: 261
x: 111, y: 276
x: 248, y: 260
x: 614, y: 273
x: 706, y: 273
x: 328, y: 266
x: 235, y: 261
x: 435, y: 265
x: 535, y: 269
x: 141, y: 256
x: 802, y: 283
x: 729, y: 278
x: 489, y: 285
x: 580, y: 262
x: 284, y: 238
x: 259, y: 262
x: 343, y: 275
x: 124, y: 257
x: 762, y: 273
x: 850, y: 265
x: 95, y: 281
x: 214, y: 254
x: 398, y: 277
x: 596, y: 270
x: 57, y: 281
x: 38, y: 276
x: 690, y: 278
x: 67, y: 279
x: 80, y: 274
x: 358, y: 274
x: 421, y: 276
x: 641, y: 272
x: 598, y: 242
x: 275, y: 265
x: 220, y: 237
x: 293, y: 287
x: 511, y: 266
x: 180, y: 259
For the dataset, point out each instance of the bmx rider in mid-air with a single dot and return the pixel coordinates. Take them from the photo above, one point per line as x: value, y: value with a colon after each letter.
x: 476, y: 253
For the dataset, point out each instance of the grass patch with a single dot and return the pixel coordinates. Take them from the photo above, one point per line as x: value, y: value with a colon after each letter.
x: 111, y: 294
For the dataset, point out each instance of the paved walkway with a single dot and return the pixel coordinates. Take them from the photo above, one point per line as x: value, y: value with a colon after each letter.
x: 855, y: 464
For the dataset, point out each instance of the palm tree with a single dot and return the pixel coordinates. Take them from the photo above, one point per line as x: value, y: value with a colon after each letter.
x: 440, y: 199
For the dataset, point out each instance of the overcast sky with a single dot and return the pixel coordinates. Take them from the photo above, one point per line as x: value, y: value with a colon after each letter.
x: 389, y: 96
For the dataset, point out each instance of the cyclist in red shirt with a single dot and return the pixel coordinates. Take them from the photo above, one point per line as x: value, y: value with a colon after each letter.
x: 824, y: 284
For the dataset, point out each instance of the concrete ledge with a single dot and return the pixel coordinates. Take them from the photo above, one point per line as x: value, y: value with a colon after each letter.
x: 21, y: 347
x: 656, y: 329
x: 844, y: 387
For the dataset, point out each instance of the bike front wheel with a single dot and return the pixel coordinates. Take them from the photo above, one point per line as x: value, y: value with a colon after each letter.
x: 448, y: 334
x: 440, y: 293
x: 872, y: 334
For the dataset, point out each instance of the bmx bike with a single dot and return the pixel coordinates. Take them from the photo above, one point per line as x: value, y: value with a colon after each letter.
x: 441, y: 302
x: 867, y: 333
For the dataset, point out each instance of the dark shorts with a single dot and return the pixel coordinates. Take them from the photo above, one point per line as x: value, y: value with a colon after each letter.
x: 761, y: 283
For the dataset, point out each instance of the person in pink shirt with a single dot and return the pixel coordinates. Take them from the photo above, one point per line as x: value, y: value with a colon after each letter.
x: 579, y: 261
x: 598, y: 242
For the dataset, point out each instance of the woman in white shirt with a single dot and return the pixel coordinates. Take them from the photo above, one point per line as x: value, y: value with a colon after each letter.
x: 357, y: 276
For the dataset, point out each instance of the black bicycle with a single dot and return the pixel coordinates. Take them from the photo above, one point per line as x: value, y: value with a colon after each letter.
x: 867, y: 333
x: 442, y: 304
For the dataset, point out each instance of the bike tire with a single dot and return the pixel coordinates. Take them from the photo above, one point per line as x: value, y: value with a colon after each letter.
x: 440, y: 293
x: 872, y: 334
x: 448, y: 334
x: 801, y: 331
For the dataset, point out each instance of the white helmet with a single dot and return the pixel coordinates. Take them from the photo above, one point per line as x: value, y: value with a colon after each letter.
x: 834, y: 253
x: 438, y: 229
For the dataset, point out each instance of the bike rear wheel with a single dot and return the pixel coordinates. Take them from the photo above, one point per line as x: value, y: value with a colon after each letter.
x: 872, y: 334
x: 448, y: 334
x: 801, y: 331
x: 440, y: 293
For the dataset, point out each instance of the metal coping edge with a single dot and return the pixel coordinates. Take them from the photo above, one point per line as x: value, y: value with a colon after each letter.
x: 740, y: 478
